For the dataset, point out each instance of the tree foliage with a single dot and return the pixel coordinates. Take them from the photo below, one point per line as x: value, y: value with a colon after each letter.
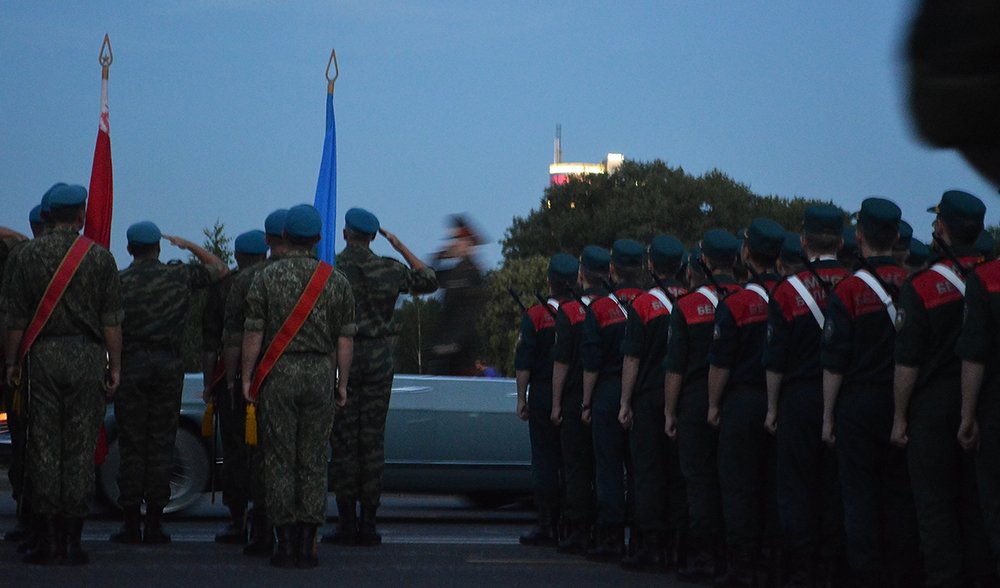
x: 419, y: 320
x: 219, y: 243
x: 501, y: 319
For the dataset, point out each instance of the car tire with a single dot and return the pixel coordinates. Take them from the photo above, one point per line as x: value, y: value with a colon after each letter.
x: 187, y: 483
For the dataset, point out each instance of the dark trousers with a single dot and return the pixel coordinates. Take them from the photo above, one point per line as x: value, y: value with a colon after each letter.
x: 577, y: 446
x: 698, y: 445
x: 809, y: 502
x: 610, y: 451
x: 231, y: 408
x: 747, y: 470
x: 17, y: 421
x: 880, y: 522
x: 952, y: 537
x: 546, y: 456
x: 660, y: 498
x: 988, y: 464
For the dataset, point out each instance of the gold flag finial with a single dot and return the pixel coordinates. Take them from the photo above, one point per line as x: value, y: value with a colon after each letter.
x: 105, y: 57
x: 336, y: 71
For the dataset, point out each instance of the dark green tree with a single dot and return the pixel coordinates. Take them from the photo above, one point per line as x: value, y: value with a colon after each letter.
x: 219, y: 243
x: 419, y: 321
x: 501, y: 318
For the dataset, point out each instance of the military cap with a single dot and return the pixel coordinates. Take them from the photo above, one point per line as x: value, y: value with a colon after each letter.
x: 362, y: 221
x: 764, y: 236
x: 303, y: 221
x: 719, y: 243
x: 666, y: 250
x: 850, y: 246
x: 251, y: 243
x: 791, y: 248
x: 595, y: 258
x: 879, y: 214
x: 960, y: 209
x: 67, y: 196
x: 143, y: 233
x: 35, y: 216
x: 905, y: 235
x: 274, y: 224
x: 563, y: 267
x: 984, y: 244
x: 627, y: 253
x: 919, y: 253
x: 823, y: 219
x: 48, y: 196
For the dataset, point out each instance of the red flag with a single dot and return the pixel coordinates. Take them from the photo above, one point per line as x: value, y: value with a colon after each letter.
x: 99, y: 204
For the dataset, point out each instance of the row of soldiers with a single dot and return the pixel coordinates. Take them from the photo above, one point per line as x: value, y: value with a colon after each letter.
x: 286, y: 336
x: 817, y: 423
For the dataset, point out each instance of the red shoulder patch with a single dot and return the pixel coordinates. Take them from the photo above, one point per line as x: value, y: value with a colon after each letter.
x: 935, y: 290
x: 574, y: 311
x: 989, y: 275
x: 607, y: 312
x: 541, y: 317
x: 747, y: 307
x: 696, y: 308
x: 648, y: 307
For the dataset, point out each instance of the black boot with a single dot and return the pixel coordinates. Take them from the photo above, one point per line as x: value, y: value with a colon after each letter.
x: 131, y: 532
x: 649, y: 554
x: 236, y: 532
x: 282, y: 556
x: 22, y: 529
x: 544, y: 532
x: 308, y: 557
x: 610, y: 544
x: 75, y: 555
x: 367, y: 535
x: 740, y: 570
x: 346, y: 532
x: 577, y: 538
x: 261, y: 535
x: 699, y: 566
x: 46, y: 550
x: 153, y: 532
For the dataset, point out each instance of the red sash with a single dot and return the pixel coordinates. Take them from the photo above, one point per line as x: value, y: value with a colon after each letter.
x: 218, y: 375
x: 291, y: 326
x: 53, y: 293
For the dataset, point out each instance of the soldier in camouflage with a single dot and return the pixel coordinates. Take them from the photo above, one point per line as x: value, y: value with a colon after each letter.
x: 156, y: 297
x: 359, y: 428
x: 76, y: 358
x: 296, y: 399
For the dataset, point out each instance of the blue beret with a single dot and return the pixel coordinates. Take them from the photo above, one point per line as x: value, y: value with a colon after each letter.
x: 274, y: 224
x: 764, y: 237
x: 791, y: 248
x: 67, y: 196
x: 251, y: 243
x: 362, y: 221
x: 143, y: 233
x: 595, y: 258
x: 35, y: 216
x: 905, y: 235
x: 959, y: 208
x: 985, y: 244
x: 823, y: 219
x: 303, y: 221
x: 719, y: 243
x: 627, y: 253
x: 879, y: 214
x: 666, y: 250
x: 563, y: 267
x: 919, y: 253
x: 48, y: 195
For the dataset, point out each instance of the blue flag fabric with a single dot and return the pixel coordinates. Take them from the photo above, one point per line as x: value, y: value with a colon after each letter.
x: 326, y: 187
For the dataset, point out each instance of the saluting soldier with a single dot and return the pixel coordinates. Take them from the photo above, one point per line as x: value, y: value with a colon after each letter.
x: 879, y: 517
x: 156, y: 296
x: 927, y: 403
x: 73, y: 363
x: 660, y: 503
x: 359, y: 427
x: 301, y: 312
x: 533, y: 371
x: 737, y: 404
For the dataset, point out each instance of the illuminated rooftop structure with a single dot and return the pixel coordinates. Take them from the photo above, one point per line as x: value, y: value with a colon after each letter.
x: 560, y: 172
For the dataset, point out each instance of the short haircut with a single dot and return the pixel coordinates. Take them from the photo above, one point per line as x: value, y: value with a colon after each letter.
x: 302, y: 242
x: 721, y: 262
x: 879, y: 239
x: 66, y: 214
x: 762, y: 260
x: 593, y: 277
x: 822, y: 243
x: 561, y: 288
x: 629, y: 274
x: 352, y: 235
x: 963, y: 234
x: 667, y: 269
x: 143, y: 249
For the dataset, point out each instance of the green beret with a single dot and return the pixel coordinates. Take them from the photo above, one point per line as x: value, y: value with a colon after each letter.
x: 765, y: 237
x: 627, y: 253
x: 666, y: 250
x: 362, y: 221
x: 823, y: 219
x: 563, y: 267
x: 984, y: 244
x: 251, y: 243
x: 274, y: 224
x: 46, y: 207
x: 850, y: 246
x: 35, y: 216
x: 919, y: 253
x: 143, y: 233
x: 303, y: 221
x: 959, y: 209
x: 67, y: 196
x: 905, y: 235
x: 791, y: 247
x: 879, y: 214
x: 719, y: 243
x: 595, y: 259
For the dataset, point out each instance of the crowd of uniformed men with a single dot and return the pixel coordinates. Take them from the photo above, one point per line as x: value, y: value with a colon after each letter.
x: 817, y: 408
x: 289, y: 342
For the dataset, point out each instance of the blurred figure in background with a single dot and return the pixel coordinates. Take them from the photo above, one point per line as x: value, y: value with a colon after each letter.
x: 454, y: 352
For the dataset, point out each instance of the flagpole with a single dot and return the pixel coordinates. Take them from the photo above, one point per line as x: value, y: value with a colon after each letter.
x: 99, y: 205
x: 326, y: 185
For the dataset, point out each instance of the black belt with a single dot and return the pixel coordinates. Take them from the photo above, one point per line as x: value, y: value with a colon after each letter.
x: 68, y: 338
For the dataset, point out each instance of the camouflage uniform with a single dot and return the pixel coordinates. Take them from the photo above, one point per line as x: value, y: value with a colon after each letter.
x: 156, y: 297
x: 296, y: 399
x: 66, y: 368
x: 359, y: 428
x: 8, y: 251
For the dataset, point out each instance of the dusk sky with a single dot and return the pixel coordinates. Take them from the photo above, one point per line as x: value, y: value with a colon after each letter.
x: 217, y: 106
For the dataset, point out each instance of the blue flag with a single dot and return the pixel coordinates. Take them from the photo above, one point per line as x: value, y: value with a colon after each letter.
x: 326, y: 187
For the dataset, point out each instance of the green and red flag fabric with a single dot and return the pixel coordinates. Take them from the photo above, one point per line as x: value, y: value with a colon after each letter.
x: 99, y: 204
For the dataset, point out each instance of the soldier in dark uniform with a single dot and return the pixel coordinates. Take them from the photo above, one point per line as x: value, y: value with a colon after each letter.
x: 916, y: 261
x: 250, y: 249
x: 359, y: 426
x: 848, y: 254
x: 459, y: 275
x: 660, y: 503
x: 927, y: 403
x: 296, y: 400
x: 575, y: 438
x: 156, y: 298
x: 790, y: 260
x: 73, y: 366
x: 603, y: 333
x: 686, y: 400
x: 737, y: 404
x: 901, y: 249
x: 879, y: 518
x: 533, y: 370
x: 809, y: 503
